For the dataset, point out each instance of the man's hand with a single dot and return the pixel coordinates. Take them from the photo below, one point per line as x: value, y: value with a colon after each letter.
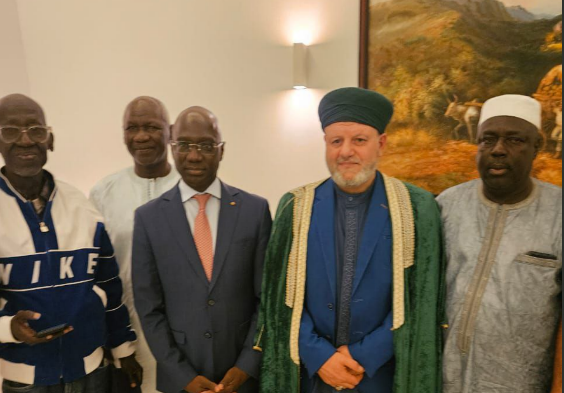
x: 133, y: 369
x: 201, y: 385
x: 344, y: 350
x: 23, y: 333
x: 341, y: 371
x: 234, y: 379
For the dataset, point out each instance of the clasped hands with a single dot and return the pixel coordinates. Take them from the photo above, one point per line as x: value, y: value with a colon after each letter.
x: 234, y: 379
x: 342, y: 371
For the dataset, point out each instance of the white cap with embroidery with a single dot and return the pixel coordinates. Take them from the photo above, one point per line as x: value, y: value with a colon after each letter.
x: 522, y: 107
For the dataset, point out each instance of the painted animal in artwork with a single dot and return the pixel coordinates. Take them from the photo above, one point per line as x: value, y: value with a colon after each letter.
x: 549, y: 94
x: 467, y: 115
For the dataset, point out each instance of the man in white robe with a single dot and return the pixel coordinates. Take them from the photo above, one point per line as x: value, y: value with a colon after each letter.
x: 504, y: 246
x: 146, y: 129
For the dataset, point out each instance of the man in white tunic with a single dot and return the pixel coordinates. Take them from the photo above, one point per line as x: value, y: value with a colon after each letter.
x: 504, y: 246
x: 146, y: 128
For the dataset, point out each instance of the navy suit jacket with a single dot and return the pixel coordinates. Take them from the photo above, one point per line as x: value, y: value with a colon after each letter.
x: 195, y: 327
x: 371, y: 309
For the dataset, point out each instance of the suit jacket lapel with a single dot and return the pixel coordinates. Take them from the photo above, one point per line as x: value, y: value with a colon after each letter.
x: 324, y: 220
x: 228, y: 216
x: 378, y: 216
x: 176, y: 218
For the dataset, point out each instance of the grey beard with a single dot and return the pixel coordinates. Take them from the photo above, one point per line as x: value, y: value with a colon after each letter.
x: 362, y: 178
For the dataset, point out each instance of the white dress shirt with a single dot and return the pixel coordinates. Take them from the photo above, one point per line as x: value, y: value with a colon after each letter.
x: 192, y: 206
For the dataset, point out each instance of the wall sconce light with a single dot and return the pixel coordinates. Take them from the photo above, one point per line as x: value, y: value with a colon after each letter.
x: 300, y: 66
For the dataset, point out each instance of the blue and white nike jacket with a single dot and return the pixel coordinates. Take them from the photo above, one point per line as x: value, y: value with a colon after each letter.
x: 62, y: 267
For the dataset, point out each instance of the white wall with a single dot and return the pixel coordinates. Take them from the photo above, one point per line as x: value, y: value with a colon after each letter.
x: 13, y: 73
x: 87, y: 59
x: 13, y: 69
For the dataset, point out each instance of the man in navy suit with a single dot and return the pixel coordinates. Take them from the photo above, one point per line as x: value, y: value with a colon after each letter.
x: 366, y: 309
x: 198, y: 255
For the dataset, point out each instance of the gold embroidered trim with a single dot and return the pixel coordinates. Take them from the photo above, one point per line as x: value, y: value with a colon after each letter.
x: 403, y: 224
x: 482, y: 276
x: 516, y: 206
x: 292, y: 273
x: 403, y: 229
x: 408, y: 224
x: 257, y: 347
x: 297, y: 263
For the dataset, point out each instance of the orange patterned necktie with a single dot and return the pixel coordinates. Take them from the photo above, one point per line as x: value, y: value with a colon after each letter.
x: 203, y: 236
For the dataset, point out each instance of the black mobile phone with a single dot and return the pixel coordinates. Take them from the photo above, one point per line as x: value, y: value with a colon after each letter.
x: 53, y: 331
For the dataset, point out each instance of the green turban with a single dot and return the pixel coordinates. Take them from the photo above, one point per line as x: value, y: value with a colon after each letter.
x: 356, y: 105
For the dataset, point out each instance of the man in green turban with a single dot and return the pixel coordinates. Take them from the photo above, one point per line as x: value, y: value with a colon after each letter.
x: 353, y: 295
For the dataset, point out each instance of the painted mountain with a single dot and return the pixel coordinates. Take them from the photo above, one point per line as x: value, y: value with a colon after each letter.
x: 439, y: 60
x: 522, y: 14
x: 425, y: 52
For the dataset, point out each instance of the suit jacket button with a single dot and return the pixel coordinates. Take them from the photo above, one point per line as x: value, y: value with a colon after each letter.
x: 211, y: 303
x: 331, y: 307
x: 208, y: 335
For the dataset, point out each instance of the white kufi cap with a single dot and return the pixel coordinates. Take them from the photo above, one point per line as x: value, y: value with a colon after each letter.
x: 522, y: 107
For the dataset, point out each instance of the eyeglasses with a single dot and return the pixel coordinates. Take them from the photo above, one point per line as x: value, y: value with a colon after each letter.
x: 37, y: 134
x: 208, y: 149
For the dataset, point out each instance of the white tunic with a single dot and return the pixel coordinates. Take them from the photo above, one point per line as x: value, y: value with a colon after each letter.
x: 504, y: 284
x: 117, y: 197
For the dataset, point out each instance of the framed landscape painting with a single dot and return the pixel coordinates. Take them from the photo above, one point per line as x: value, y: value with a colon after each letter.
x: 440, y: 60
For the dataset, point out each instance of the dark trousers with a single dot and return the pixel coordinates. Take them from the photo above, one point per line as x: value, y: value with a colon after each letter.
x: 121, y: 383
x: 96, y: 382
x: 321, y: 387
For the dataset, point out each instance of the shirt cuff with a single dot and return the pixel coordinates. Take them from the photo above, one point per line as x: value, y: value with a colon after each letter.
x: 249, y: 362
x: 125, y: 350
x: 6, y: 336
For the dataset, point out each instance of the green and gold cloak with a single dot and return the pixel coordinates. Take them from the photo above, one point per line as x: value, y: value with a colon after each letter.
x: 419, y: 290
